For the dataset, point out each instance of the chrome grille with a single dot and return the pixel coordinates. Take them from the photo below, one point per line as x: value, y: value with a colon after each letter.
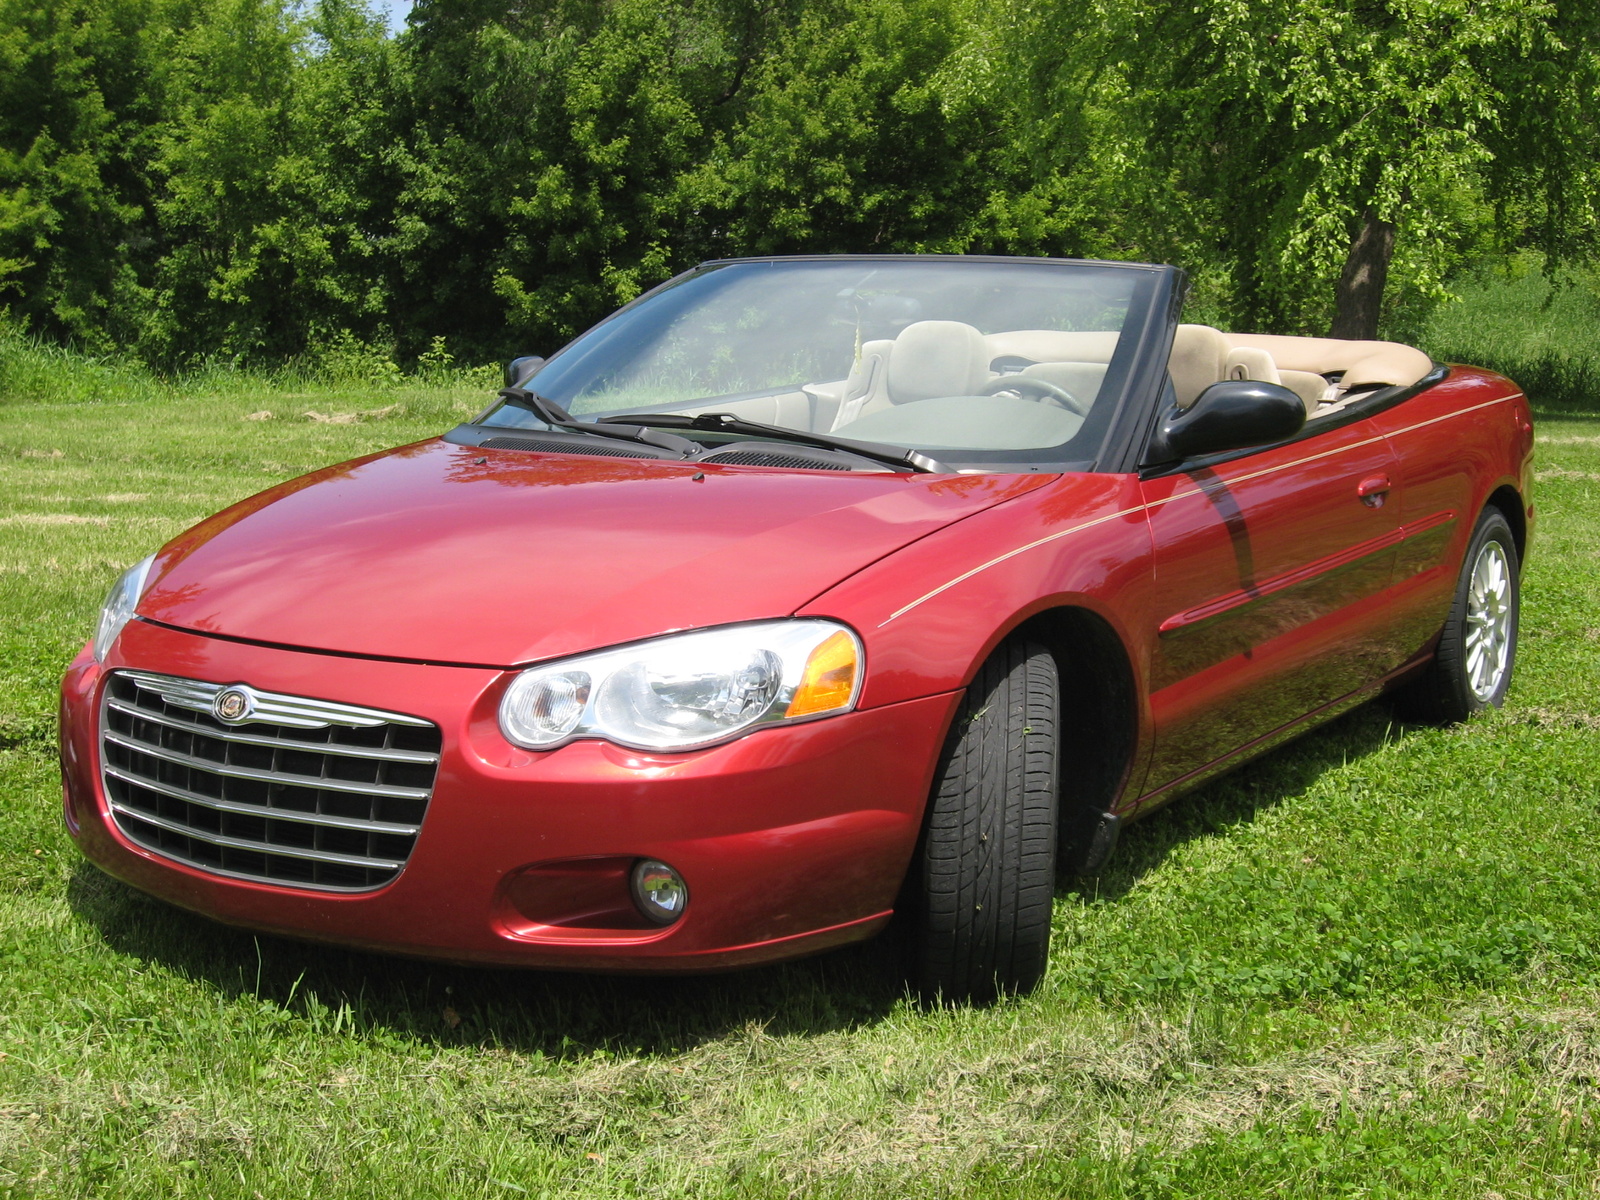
x: 299, y: 792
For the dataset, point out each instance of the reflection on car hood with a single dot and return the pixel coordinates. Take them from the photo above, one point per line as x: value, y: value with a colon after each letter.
x: 454, y: 554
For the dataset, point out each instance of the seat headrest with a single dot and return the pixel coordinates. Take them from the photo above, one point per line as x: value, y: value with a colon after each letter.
x: 1199, y: 359
x: 937, y: 358
x: 1248, y: 362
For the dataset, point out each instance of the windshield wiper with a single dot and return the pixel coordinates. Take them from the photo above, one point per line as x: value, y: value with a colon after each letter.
x: 893, y: 456
x: 553, y: 415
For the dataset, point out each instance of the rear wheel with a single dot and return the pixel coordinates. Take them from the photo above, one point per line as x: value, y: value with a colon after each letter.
x: 986, y: 865
x: 1472, y: 666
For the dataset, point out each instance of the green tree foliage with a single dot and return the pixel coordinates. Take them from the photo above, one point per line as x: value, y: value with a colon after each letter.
x: 850, y: 140
x: 261, y: 179
x: 1323, y: 140
x: 539, y: 153
x: 268, y: 193
x: 558, y: 162
x: 81, y: 87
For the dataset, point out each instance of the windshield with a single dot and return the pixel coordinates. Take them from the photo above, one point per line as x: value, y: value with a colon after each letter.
x: 969, y: 360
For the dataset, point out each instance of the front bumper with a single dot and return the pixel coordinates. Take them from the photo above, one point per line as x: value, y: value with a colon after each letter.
x: 791, y: 840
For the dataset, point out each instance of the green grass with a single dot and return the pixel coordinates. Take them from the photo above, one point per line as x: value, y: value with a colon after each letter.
x: 1512, y: 317
x: 1367, y: 965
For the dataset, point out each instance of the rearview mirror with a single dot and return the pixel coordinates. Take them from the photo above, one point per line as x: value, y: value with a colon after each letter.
x: 520, y: 370
x: 1231, y: 415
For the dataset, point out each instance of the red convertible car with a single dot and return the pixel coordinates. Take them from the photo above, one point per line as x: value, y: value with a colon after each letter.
x: 797, y: 592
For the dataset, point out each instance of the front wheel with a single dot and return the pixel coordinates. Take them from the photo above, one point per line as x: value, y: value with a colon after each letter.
x: 986, y: 866
x: 1471, y: 668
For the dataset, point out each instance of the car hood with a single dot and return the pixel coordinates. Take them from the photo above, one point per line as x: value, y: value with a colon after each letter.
x: 454, y: 554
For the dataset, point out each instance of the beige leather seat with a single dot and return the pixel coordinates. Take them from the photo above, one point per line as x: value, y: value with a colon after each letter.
x: 1202, y: 355
x: 928, y: 359
x: 1252, y: 362
x: 1246, y: 362
x: 1199, y: 359
x: 864, y: 389
x: 1308, y: 385
x: 937, y: 358
x: 1363, y: 364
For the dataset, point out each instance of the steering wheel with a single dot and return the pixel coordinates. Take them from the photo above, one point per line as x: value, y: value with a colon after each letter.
x: 1043, y: 390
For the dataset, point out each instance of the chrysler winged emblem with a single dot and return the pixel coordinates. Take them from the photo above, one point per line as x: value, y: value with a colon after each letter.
x: 232, y: 705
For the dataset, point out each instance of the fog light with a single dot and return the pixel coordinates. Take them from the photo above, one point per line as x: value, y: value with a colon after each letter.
x: 659, y: 891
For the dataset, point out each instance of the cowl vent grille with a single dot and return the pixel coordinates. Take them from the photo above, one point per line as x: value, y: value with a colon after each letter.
x: 770, y: 458
x: 562, y: 446
x: 292, y: 791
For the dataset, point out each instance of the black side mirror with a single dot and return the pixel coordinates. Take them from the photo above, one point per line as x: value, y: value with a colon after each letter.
x: 519, y: 370
x: 1230, y: 415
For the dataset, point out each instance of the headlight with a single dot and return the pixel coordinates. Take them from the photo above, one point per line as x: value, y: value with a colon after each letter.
x: 118, y: 608
x: 689, y: 689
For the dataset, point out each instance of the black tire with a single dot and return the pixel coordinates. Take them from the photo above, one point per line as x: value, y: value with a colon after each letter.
x: 986, y: 863
x: 1461, y: 681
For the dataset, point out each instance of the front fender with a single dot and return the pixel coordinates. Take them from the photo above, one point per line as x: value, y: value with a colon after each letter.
x: 932, y: 612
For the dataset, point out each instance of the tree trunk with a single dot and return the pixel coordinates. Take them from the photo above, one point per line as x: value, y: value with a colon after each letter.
x: 1361, y: 283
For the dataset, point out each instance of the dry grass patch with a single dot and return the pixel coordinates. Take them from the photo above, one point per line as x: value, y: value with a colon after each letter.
x: 54, y: 519
x: 346, y: 418
x: 1540, y: 714
x: 807, y: 1111
x: 838, y: 1112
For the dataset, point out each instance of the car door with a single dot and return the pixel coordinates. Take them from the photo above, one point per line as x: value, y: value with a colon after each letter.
x: 1449, y: 440
x: 1270, y: 569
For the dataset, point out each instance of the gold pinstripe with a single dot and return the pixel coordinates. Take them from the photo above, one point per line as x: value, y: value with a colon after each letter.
x: 1126, y: 512
x: 962, y: 578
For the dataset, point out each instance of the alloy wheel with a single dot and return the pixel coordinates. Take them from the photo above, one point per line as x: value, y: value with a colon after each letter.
x: 1488, y: 620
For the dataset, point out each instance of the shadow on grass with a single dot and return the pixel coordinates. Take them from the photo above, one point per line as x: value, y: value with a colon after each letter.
x: 563, y: 1016
x: 552, y: 1013
x: 1236, y: 798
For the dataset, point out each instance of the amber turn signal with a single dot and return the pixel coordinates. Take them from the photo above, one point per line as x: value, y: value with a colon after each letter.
x: 829, y: 680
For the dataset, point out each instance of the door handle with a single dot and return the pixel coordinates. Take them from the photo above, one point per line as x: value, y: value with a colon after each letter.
x: 1374, y: 490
